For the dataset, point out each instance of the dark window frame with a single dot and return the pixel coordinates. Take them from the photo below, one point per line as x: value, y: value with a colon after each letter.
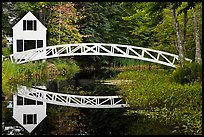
x: 20, y: 45
x: 39, y: 103
x: 29, y: 101
x: 35, y: 25
x: 29, y: 119
x: 19, y: 101
x: 24, y: 24
x: 24, y: 45
x: 30, y: 25
x: 29, y: 44
x: 39, y: 43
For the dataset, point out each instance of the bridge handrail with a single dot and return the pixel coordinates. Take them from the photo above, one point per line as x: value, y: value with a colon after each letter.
x: 65, y: 99
x: 119, y: 45
x: 108, y: 52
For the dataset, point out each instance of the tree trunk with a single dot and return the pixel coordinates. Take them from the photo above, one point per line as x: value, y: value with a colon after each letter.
x: 196, y: 15
x: 178, y: 34
x: 185, y: 20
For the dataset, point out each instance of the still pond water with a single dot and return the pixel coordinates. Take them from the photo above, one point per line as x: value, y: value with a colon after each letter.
x: 63, y: 120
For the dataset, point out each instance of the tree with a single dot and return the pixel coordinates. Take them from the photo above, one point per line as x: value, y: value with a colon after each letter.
x: 179, y: 42
x: 196, y: 14
x: 141, y: 24
x: 62, y: 27
x: 40, y: 9
x: 7, y: 17
x: 176, y: 8
x: 164, y: 35
x: 101, y: 22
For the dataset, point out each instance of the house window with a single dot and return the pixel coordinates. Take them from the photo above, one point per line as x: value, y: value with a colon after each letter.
x: 29, y: 119
x: 19, y: 45
x: 39, y: 103
x: 39, y: 43
x: 29, y: 25
x: 26, y: 101
x: 29, y: 101
x: 19, y: 100
x: 29, y: 44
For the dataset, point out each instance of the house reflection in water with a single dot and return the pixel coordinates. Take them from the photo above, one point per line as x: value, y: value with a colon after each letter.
x: 28, y: 113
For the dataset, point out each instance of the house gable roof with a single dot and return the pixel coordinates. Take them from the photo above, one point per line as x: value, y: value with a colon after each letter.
x: 28, y: 16
x: 29, y: 127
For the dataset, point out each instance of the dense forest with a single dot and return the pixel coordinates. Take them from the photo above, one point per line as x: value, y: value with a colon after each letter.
x: 175, y: 27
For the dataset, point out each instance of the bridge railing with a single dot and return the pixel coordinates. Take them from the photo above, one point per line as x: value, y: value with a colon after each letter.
x: 29, y: 55
x: 71, y: 100
x: 126, y: 51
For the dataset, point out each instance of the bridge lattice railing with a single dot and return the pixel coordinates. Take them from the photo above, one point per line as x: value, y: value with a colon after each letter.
x: 103, y: 49
x: 72, y: 100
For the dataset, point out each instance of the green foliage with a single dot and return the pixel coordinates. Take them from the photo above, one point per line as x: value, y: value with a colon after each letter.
x: 102, y: 22
x: 6, y: 14
x: 125, y: 62
x: 94, y: 24
x: 13, y: 74
x: 152, y: 93
x: 66, y: 67
x: 128, y: 63
x: 62, y: 27
x: 164, y: 41
x: 21, y: 8
x: 4, y: 42
x: 30, y: 74
x: 9, y: 70
x: 5, y: 84
x: 142, y: 25
x: 5, y: 49
x: 188, y: 73
x: 6, y: 52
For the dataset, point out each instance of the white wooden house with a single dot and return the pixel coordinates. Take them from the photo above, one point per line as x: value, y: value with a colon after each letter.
x: 28, y: 33
x: 28, y: 113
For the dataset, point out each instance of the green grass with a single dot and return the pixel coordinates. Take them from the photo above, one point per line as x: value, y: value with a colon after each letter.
x: 65, y: 67
x: 154, y: 94
x: 32, y: 73
x: 13, y: 74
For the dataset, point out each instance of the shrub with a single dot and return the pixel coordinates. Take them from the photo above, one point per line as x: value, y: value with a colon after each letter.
x: 4, y: 42
x: 66, y: 66
x: 5, y: 51
x: 189, y: 73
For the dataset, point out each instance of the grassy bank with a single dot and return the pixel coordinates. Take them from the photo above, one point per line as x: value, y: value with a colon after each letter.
x: 34, y: 72
x: 154, y: 95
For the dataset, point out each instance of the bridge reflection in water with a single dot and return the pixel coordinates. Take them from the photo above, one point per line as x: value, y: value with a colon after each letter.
x: 71, y: 100
x: 29, y: 104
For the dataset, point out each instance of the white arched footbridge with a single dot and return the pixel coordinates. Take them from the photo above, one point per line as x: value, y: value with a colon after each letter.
x: 103, y: 49
x: 71, y: 100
